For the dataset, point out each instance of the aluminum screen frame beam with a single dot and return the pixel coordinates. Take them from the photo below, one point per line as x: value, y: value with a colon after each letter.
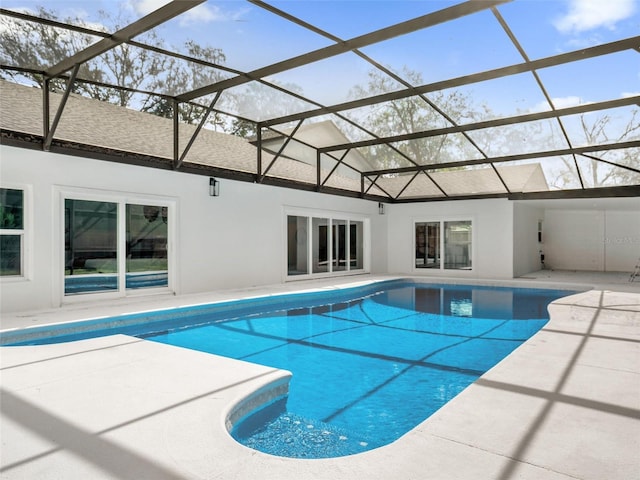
x: 631, y: 43
x: 510, y: 158
x: 498, y: 122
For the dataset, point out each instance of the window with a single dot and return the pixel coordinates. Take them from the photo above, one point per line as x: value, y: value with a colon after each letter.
x: 323, y: 245
x: 114, y: 246
x: 12, y: 232
x: 453, y: 238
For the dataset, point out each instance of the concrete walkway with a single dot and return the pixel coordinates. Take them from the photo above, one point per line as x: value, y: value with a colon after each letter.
x: 565, y: 405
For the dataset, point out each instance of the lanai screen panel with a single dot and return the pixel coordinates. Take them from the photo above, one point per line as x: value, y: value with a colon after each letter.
x: 21, y: 38
x: 496, y: 98
x: 412, y: 100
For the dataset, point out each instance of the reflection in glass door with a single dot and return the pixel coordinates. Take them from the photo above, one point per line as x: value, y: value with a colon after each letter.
x: 91, y: 244
x: 146, y: 249
x: 321, y: 245
x: 428, y: 245
x: 339, y: 234
x: 356, y: 245
x: 457, y: 245
x: 297, y: 245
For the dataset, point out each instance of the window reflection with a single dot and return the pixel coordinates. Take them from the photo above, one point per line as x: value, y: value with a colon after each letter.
x: 356, y: 245
x: 321, y: 245
x: 147, y: 237
x: 11, y: 231
x: 428, y: 245
x: 91, y: 240
x: 339, y: 245
x: 457, y: 245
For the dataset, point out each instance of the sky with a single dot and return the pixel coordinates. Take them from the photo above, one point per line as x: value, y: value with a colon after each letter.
x: 252, y: 37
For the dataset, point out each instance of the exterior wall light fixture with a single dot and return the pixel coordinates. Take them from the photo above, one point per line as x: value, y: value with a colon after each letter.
x: 381, y: 208
x: 214, y: 187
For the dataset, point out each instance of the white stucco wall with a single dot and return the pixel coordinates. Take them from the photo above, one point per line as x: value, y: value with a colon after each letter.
x: 492, y: 236
x: 526, y: 248
x: 596, y: 240
x: 238, y: 239
x: 622, y: 240
x: 234, y: 240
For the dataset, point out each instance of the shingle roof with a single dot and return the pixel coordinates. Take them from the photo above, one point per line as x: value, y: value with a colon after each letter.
x: 92, y: 122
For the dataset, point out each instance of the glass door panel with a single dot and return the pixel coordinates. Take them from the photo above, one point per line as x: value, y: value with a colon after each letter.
x: 427, y: 245
x: 339, y: 245
x: 91, y: 243
x: 146, y: 247
x: 457, y: 245
x: 321, y: 245
x: 297, y: 248
x: 356, y: 245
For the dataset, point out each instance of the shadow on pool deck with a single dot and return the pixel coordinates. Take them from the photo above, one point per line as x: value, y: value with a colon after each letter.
x: 556, y: 396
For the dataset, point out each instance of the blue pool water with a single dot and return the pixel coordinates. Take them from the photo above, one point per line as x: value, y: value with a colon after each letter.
x: 369, y: 363
x: 368, y: 370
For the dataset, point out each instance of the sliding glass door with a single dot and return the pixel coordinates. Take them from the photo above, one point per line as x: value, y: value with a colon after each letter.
x: 114, y: 246
x: 318, y: 245
x: 454, y: 238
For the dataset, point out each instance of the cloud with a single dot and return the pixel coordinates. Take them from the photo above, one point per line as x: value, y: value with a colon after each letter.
x: 586, y: 15
x: 202, y: 13
x: 144, y: 7
x: 564, y: 102
x: 558, y: 102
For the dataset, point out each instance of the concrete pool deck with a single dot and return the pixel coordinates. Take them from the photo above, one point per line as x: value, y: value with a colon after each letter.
x: 565, y: 405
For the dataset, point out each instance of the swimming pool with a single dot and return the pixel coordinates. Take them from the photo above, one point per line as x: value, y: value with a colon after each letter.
x: 368, y: 370
x: 368, y: 363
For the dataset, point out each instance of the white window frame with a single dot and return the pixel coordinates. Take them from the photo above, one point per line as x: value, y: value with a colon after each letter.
x: 26, y: 237
x: 121, y: 199
x: 442, y: 221
x: 330, y: 215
